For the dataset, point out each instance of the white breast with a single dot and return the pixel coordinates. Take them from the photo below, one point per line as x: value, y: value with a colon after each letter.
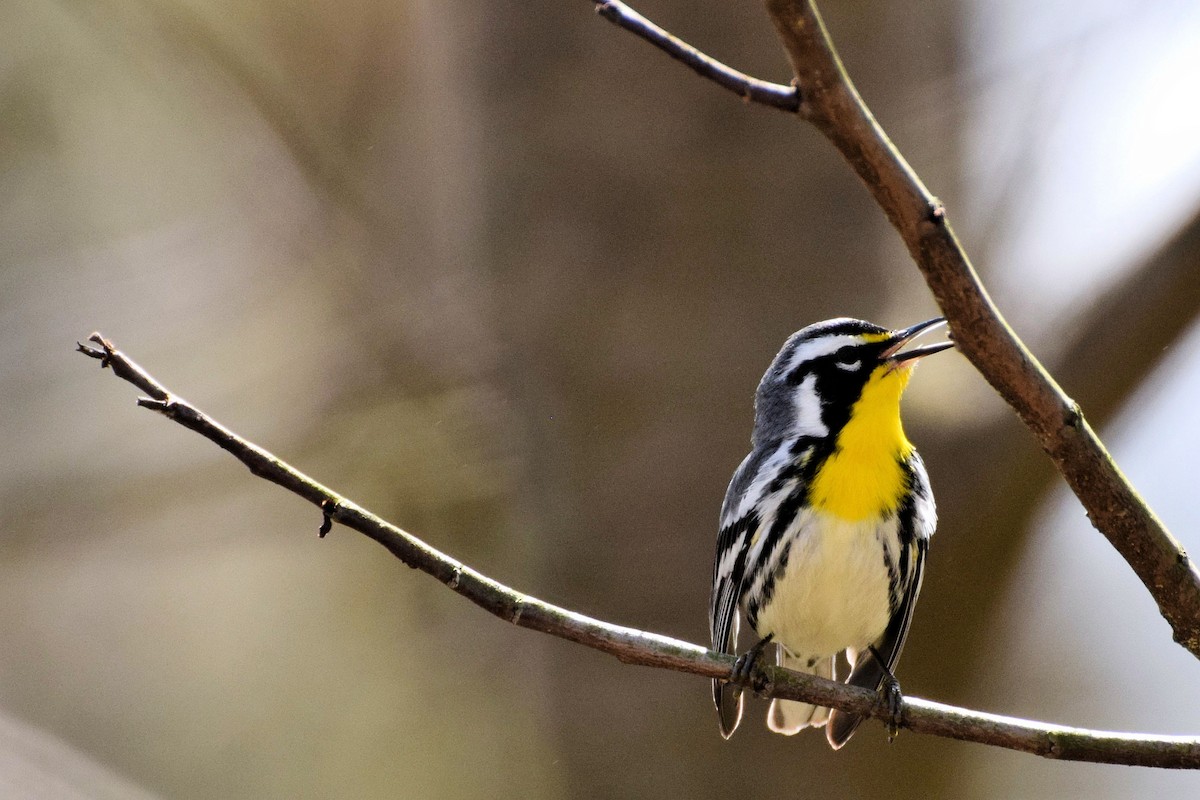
x: 833, y: 593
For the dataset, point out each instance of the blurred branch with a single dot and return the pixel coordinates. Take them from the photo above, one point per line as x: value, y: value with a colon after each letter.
x: 831, y: 103
x: 752, y: 90
x: 320, y: 158
x: 1114, y: 345
x: 1123, y: 332
x: 650, y: 649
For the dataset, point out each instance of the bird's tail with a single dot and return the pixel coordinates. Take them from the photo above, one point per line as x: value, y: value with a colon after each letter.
x: 868, y: 673
x: 728, y: 698
x: 791, y: 716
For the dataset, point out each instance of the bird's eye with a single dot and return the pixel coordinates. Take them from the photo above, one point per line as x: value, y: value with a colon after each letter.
x: 845, y: 359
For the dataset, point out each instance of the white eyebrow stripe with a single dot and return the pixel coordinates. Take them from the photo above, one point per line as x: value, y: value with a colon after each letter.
x: 821, y: 346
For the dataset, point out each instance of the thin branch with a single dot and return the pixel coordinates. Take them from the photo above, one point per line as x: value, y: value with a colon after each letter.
x: 831, y: 103
x: 1126, y: 329
x: 633, y: 646
x: 752, y: 90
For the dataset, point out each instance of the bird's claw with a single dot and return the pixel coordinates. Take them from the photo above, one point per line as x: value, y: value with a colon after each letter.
x: 745, y: 668
x: 890, y: 697
x: 893, y: 699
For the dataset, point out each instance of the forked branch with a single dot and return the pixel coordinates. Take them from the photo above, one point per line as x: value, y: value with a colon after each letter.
x: 831, y: 103
x: 640, y: 647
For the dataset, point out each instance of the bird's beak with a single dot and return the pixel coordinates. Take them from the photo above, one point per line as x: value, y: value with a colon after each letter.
x: 899, y: 338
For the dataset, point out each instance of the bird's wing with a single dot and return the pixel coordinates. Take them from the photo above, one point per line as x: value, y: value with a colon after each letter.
x: 892, y: 641
x: 765, y: 470
x: 733, y: 545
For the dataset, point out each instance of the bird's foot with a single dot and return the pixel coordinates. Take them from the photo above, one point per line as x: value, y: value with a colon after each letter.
x: 745, y: 669
x: 890, y: 697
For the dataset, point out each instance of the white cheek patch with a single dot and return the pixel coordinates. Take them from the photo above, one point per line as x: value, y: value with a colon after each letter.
x: 808, y: 409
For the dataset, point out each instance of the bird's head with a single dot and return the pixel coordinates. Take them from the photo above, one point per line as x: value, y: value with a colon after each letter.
x: 824, y: 370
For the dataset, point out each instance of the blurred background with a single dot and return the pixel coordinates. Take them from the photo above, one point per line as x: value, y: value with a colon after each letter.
x: 508, y: 276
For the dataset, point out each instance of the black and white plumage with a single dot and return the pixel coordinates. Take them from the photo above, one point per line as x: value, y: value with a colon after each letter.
x: 826, y: 523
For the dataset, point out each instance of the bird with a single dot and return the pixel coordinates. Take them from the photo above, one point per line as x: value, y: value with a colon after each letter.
x: 826, y: 523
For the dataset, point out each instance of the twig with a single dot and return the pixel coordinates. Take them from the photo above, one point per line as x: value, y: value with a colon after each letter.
x: 832, y: 104
x: 633, y: 646
x: 752, y: 90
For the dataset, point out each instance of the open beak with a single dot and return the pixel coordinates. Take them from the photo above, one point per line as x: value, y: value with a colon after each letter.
x: 897, y: 358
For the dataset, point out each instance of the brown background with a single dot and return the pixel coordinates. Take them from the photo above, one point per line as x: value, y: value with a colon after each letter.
x: 509, y: 277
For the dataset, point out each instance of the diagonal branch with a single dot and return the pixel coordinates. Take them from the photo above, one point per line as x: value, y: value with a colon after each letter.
x: 831, y: 103
x: 752, y: 90
x: 633, y: 646
x: 1125, y: 329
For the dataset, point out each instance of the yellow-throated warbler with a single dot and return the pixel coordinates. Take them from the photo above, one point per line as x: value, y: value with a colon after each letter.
x: 826, y: 523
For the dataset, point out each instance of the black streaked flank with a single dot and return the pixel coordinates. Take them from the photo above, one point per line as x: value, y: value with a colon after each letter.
x: 800, y: 411
x: 784, y: 519
x: 894, y: 575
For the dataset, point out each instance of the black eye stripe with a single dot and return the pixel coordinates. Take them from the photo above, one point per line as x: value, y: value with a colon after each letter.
x: 848, y: 356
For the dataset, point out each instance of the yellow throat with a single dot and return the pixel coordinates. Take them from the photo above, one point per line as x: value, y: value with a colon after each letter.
x: 864, y: 477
